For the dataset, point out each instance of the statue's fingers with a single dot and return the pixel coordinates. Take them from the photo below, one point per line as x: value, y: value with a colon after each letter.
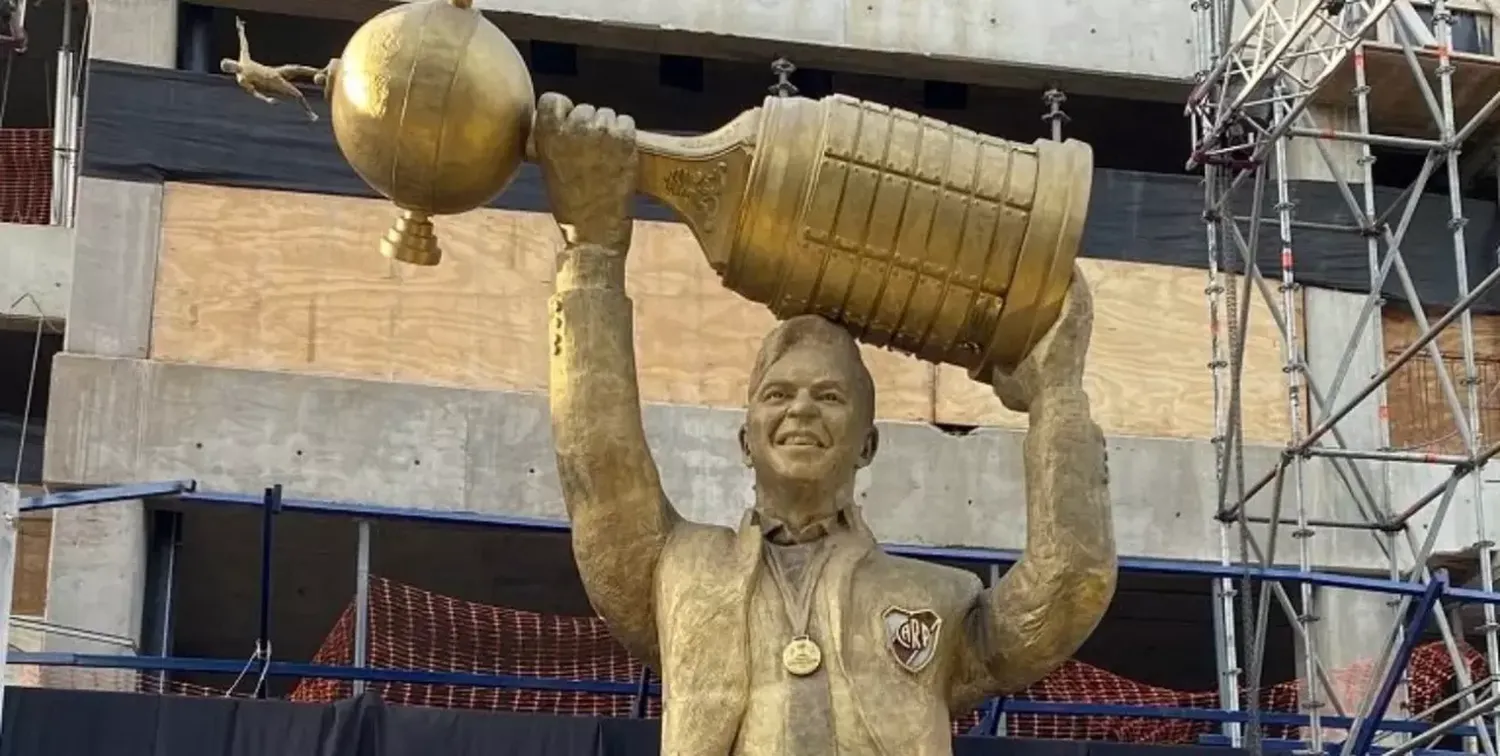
x: 551, y: 111
x: 623, y: 129
x: 580, y: 120
x: 603, y: 119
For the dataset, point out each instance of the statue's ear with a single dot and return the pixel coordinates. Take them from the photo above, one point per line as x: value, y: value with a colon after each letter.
x: 871, y: 445
x: 745, y: 445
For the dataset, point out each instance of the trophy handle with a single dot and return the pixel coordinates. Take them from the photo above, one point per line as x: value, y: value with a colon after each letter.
x: 701, y: 177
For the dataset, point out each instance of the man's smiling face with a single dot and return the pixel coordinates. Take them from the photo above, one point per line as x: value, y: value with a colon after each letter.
x: 806, y: 421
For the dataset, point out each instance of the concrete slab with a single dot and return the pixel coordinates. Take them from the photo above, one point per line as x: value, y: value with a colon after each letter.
x: 1077, y: 43
x: 118, y: 420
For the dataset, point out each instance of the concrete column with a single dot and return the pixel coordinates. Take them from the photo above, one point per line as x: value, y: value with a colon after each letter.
x: 97, y: 576
x: 135, y: 31
x: 96, y: 585
x: 1351, y: 626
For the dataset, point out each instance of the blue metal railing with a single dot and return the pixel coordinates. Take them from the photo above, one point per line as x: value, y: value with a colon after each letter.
x: 273, y: 502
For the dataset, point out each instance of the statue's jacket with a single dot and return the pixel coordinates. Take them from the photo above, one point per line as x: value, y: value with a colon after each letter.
x: 705, y: 579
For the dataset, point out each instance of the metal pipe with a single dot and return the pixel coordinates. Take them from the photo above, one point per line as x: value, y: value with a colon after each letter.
x: 1402, y: 143
x: 1388, y: 456
x: 1319, y: 523
x: 1450, y: 642
x: 1413, y: 66
x: 1475, y: 121
x: 1285, y: 601
x: 1373, y: 300
x: 1309, y: 225
x: 1364, y: 729
x: 1350, y: 481
x: 1422, y: 341
x: 64, y: 123
x: 1443, y: 17
x: 271, y: 505
x: 1487, y: 706
x: 1293, y: 361
x: 1458, y: 472
x: 10, y: 516
x: 361, y: 601
x: 1275, y: 132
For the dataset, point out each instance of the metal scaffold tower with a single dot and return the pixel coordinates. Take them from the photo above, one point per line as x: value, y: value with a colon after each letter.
x: 1263, y: 64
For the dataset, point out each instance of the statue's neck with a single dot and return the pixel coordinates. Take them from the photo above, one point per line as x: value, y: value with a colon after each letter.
x: 800, y: 504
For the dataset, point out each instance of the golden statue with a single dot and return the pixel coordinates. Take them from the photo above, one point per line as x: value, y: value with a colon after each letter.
x: 793, y: 633
x: 264, y: 82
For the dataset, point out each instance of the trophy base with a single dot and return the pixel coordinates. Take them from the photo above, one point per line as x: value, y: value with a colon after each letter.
x: 411, y: 239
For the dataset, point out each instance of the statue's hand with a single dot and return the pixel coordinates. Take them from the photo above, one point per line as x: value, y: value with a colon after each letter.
x: 1057, y: 360
x: 589, y: 162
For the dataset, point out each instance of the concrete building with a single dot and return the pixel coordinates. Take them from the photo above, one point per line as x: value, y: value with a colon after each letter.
x: 209, y: 329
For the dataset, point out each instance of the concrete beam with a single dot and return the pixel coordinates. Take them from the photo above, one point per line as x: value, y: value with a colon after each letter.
x: 36, y: 268
x: 1075, y: 43
x: 120, y: 420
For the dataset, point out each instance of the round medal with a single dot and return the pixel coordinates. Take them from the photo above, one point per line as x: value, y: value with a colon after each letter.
x: 802, y: 656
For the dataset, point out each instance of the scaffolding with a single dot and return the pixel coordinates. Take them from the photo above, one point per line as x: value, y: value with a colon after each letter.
x: 1264, y: 65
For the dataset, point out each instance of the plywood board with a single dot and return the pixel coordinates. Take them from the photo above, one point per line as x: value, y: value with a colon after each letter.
x: 1395, y: 98
x: 1148, y: 361
x: 1421, y: 418
x: 285, y: 281
x: 33, y: 558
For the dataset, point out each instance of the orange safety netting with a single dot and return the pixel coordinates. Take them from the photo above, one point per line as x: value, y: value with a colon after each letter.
x: 413, y: 629
x: 25, y: 176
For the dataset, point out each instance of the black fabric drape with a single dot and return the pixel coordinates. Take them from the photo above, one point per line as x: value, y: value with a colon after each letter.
x: 42, y: 722
x: 150, y: 124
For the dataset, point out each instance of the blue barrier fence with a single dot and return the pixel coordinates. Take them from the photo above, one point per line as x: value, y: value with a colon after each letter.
x: 273, y: 502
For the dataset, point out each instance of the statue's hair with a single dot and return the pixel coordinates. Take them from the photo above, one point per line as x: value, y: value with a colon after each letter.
x: 820, y: 333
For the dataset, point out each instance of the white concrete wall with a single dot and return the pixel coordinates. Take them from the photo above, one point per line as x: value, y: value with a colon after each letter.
x: 116, y: 420
x: 1087, y: 46
x: 1147, y: 39
x: 36, y: 268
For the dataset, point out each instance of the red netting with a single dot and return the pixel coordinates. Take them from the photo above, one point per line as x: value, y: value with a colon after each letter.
x: 25, y: 176
x: 413, y: 629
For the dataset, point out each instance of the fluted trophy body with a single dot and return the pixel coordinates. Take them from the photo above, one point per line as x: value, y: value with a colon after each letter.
x: 915, y: 234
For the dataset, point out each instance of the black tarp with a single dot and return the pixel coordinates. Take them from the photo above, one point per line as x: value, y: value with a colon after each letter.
x: 43, y: 722
x: 150, y: 124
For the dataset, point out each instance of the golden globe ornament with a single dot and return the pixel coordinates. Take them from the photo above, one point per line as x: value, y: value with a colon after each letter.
x: 432, y: 105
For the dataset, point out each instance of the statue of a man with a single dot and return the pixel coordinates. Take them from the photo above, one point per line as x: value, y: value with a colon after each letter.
x: 795, y: 633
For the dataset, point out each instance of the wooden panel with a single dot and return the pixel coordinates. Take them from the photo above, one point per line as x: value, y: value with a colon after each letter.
x: 286, y: 281
x: 33, y: 559
x: 1395, y: 101
x: 283, y: 281
x: 1421, y: 418
x: 1148, y: 361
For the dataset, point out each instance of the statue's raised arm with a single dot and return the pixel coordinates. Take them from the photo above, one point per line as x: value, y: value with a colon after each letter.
x: 1044, y: 607
x: 621, y: 518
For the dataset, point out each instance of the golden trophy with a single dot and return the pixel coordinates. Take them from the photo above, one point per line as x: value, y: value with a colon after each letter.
x: 918, y: 235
